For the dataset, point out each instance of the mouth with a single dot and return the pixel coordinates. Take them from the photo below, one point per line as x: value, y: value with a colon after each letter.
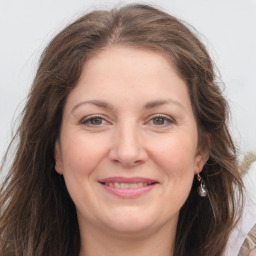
x: 128, y: 187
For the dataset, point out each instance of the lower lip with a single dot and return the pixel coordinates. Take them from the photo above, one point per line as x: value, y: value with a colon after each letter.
x: 129, y: 192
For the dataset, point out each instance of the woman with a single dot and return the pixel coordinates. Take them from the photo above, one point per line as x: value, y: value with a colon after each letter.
x: 124, y: 147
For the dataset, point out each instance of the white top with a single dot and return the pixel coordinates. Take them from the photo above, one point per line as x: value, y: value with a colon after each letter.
x: 248, y: 219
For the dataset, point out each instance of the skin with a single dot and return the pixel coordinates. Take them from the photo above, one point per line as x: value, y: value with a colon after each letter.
x: 128, y: 138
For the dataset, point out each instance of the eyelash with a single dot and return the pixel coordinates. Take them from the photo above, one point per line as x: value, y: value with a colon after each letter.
x: 89, y: 119
x: 167, y: 120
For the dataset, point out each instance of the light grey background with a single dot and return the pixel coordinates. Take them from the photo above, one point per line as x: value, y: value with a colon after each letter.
x: 228, y: 28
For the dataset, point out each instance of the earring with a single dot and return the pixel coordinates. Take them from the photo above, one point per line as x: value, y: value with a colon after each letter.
x: 201, y: 189
x: 57, y: 164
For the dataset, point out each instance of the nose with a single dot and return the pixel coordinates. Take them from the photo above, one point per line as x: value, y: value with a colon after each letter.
x: 128, y: 147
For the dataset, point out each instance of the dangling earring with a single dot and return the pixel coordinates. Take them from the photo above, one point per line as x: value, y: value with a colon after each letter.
x: 57, y: 165
x: 201, y: 189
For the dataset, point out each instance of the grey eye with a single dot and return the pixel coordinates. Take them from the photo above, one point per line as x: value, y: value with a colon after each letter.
x: 95, y: 121
x: 159, y: 120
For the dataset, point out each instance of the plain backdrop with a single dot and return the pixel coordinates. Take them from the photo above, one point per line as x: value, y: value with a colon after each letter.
x: 227, y: 27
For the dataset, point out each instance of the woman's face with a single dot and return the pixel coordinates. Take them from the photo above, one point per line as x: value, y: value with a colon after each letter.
x: 128, y: 143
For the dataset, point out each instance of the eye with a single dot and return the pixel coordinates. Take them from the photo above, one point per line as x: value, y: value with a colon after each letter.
x: 92, y: 121
x: 161, y: 121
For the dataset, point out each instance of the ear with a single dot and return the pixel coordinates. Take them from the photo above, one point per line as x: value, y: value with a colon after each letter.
x: 202, y: 154
x: 200, y: 160
x: 58, y: 157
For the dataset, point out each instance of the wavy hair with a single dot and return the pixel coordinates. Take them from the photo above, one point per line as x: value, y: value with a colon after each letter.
x: 37, y: 216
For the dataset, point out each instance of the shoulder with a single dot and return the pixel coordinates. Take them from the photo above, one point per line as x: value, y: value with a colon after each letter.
x: 248, y: 220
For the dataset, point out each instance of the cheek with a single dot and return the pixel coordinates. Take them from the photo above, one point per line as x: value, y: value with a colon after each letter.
x: 81, y: 155
x: 176, y: 155
x: 176, y: 158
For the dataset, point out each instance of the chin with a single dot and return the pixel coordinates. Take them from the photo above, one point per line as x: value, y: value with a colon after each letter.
x: 132, y: 220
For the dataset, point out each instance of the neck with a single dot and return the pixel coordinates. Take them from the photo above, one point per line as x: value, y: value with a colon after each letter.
x: 97, y: 243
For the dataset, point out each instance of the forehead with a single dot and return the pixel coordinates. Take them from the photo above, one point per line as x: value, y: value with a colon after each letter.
x: 125, y: 54
x: 123, y: 72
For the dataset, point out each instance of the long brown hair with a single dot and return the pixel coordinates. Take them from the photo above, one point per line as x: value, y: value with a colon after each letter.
x: 37, y: 216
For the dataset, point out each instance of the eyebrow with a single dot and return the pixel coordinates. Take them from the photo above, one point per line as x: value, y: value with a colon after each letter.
x: 98, y: 103
x: 149, y: 105
x: 157, y: 103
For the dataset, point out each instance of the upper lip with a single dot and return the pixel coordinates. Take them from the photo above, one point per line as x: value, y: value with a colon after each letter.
x: 128, y: 180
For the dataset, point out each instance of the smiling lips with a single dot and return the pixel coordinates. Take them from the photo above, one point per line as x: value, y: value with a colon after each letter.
x: 128, y: 187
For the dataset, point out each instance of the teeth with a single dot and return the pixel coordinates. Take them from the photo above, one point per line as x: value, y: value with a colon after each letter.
x: 117, y: 185
x: 133, y: 185
x: 127, y: 185
x: 124, y: 185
